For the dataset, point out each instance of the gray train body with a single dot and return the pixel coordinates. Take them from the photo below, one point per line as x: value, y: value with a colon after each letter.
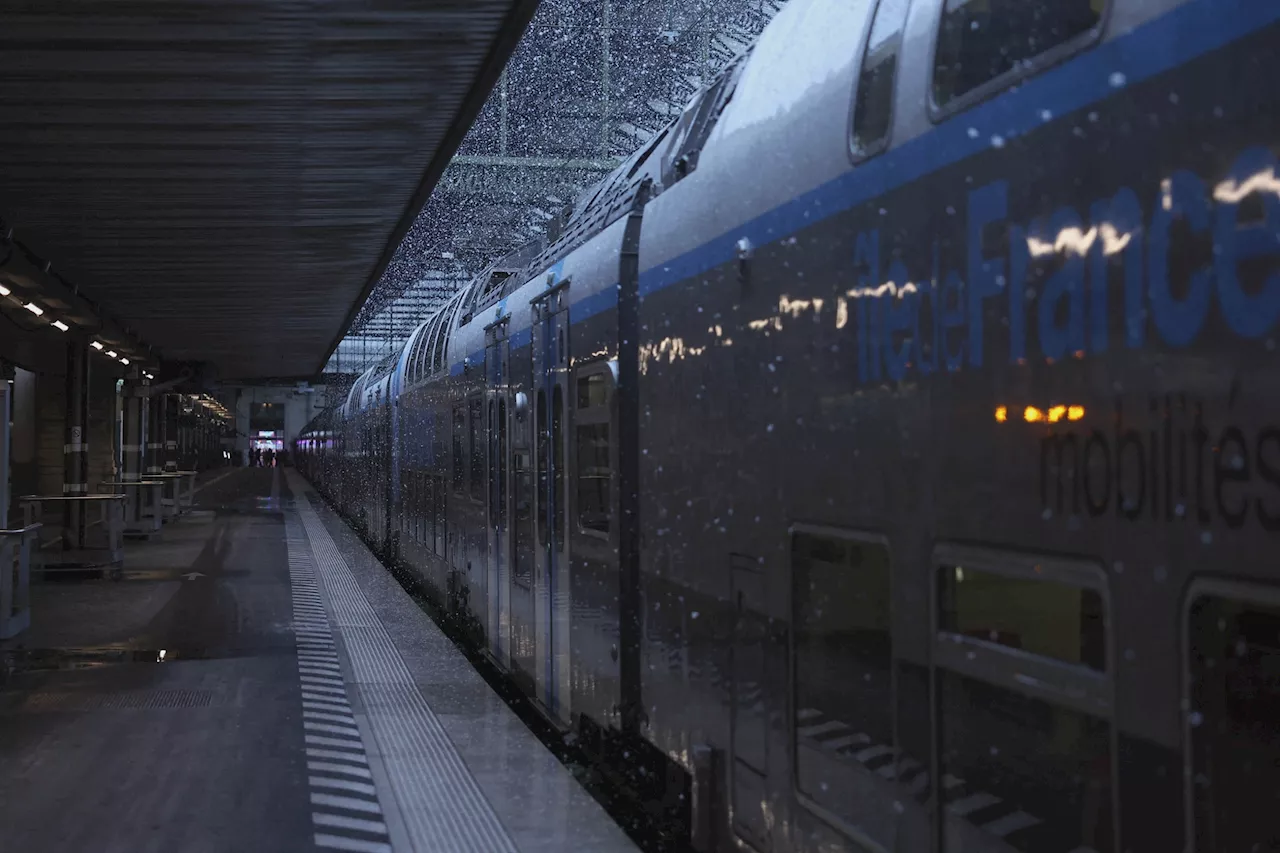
x: 907, y: 481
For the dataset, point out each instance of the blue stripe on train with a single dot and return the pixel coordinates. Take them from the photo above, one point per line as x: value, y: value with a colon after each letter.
x: 1158, y: 46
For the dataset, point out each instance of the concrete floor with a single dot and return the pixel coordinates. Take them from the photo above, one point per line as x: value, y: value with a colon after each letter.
x: 164, y: 711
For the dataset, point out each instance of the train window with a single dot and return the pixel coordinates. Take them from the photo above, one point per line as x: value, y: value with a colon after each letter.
x: 1029, y: 772
x: 1039, y: 616
x: 873, y: 102
x: 412, y: 489
x: 557, y: 467
x: 1233, y: 644
x: 429, y: 511
x: 522, y: 523
x: 694, y: 127
x: 428, y: 351
x: 540, y: 487
x: 593, y: 391
x: 594, y: 477
x: 459, y: 460
x: 441, y: 339
x: 594, y: 453
x: 500, y: 451
x: 414, y: 368
x: 984, y: 42
x: 474, y: 410
x: 842, y: 662
x: 422, y: 367
x: 1024, y: 703
x: 441, y: 516
x: 406, y: 501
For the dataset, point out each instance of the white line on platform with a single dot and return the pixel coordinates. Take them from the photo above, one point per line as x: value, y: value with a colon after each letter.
x: 329, y: 728
x: 335, y: 705
x: 349, y: 803
x: 331, y: 767
x: 358, y: 824
x: 336, y: 718
x: 342, y: 785
x: 319, y: 740
x: 355, y: 845
x: 357, y: 757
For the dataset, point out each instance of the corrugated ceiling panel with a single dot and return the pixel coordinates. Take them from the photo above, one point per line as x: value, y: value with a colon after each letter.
x: 224, y: 176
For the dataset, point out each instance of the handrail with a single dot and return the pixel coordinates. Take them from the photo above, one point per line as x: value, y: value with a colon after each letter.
x: 29, y: 498
x: 15, y: 581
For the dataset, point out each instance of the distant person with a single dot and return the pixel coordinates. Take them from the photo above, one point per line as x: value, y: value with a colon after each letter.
x: 270, y: 456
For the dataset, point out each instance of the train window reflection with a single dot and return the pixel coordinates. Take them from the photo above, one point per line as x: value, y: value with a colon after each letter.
x: 1234, y: 685
x: 1044, y: 617
x: 540, y: 427
x: 442, y: 337
x: 557, y: 467
x: 428, y: 495
x: 983, y: 40
x: 1024, y: 703
x: 1030, y: 773
x: 592, y: 436
x: 593, y: 391
x: 440, y: 516
x: 845, y: 756
x: 477, y: 449
x: 459, y: 460
x: 873, y: 103
x: 594, y: 477
x: 500, y: 462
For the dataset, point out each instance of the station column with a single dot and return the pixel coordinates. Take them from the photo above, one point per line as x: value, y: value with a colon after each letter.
x: 133, y: 443
x: 75, y: 447
x: 6, y: 393
x: 186, y: 462
x: 170, y: 432
x: 155, y: 435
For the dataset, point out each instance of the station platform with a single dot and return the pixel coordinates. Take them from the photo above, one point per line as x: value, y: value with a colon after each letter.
x: 258, y: 681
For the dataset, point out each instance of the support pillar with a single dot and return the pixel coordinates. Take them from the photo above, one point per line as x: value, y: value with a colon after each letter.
x: 170, y: 432
x: 184, y: 435
x: 155, y: 435
x: 134, y: 429
x: 202, y: 442
x: 75, y: 447
x: 6, y: 397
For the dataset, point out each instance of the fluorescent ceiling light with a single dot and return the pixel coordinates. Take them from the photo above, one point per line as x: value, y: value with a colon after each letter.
x: 149, y: 375
x: 59, y: 325
x: 124, y: 360
x: 34, y: 308
x: 4, y: 291
x: 111, y: 353
x: 95, y: 345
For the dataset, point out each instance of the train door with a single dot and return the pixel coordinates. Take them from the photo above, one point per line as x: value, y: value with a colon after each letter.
x: 551, y: 591
x: 499, y: 563
x: 748, y: 716
x: 520, y: 482
x: 382, y: 493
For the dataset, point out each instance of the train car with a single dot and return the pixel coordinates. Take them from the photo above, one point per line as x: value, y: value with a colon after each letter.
x: 887, y: 445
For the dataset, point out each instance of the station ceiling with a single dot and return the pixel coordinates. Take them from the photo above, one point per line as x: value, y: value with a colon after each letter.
x: 229, y: 178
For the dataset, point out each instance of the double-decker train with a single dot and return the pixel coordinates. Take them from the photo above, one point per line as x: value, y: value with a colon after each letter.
x: 887, y: 456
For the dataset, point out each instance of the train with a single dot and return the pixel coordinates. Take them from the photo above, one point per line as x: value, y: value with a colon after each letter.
x: 885, y: 456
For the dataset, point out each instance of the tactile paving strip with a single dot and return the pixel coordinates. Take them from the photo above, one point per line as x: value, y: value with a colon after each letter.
x: 442, y: 805
x: 140, y: 700
x: 346, y: 809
